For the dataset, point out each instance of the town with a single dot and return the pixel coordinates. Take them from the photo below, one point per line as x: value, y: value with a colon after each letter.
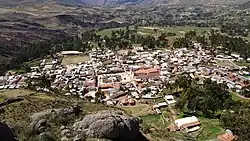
x: 130, y: 77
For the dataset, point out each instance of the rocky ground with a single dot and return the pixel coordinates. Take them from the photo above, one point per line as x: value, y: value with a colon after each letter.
x: 35, y: 119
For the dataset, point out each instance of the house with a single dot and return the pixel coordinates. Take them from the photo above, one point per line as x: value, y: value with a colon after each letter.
x: 162, y: 104
x: 169, y: 99
x: 158, y: 111
x: 147, y: 73
x: 71, y: 53
x: 188, y: 124
x: 226, y: 137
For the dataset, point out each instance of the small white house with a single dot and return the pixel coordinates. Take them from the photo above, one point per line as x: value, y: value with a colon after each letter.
x: 189, y: 124
x: 162, y: 104
x: 169, y: 99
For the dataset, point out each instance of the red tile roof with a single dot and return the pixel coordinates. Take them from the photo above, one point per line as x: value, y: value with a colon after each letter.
x: 226, y: 137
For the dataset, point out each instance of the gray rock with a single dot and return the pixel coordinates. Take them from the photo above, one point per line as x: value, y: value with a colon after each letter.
x: 39, y: 126
x: 109, y: 124
x: 64, y: 139
x: 63, y: 127
x: 65, y: 132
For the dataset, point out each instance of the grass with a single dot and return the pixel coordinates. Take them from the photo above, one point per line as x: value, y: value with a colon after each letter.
x: 15, y: 93
x: 237, y: 98
x: 178, y: 30
x: 247, y: 76
x: 37, y: 62
x: 34, y: 63
x: 44, y: 97
x: 74, y: 59
x: 2, y: 99
x: 24, y: 92
x: 242, y: 63
x: 210, y: 129
x: 137, y: 110
x: 153, y: 120
x: 18, y: 114
x: 225, y: 63
x: 107, y: 32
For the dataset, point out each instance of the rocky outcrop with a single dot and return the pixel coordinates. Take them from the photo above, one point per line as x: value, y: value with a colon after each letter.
x: 7, y: 133
x: 108, y: 124
x: 38, y: 120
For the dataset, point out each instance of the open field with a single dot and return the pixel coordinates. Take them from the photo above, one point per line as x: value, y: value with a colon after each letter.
x: 15, y: 93
x: 236, y: 97
x: 1, y: 99
x: 43, y: 97
x: 107, y: 32
x: 210, y: 129
x: 225, y: 63
x: 242, y: 63
x: 24, y: 92
x: 138, y: 109
x: 179, y: 30
x: 74, y: 59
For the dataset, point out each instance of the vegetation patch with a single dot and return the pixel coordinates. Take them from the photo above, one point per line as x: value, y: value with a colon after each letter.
x: 210, y: 129
x: 107, y: 32
x: 138, y: 109
x: 242, y: 63
x: 18, y: 115
x: 44, y: 97
x: 15, y: 93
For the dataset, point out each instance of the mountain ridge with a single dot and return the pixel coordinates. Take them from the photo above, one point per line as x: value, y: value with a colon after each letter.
x: 14, y: 3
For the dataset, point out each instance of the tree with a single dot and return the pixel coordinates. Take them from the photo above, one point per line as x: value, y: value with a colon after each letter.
x: 209, y: 98
x: 44, y: 82
x: 99, y: 96
x: 238, y: 121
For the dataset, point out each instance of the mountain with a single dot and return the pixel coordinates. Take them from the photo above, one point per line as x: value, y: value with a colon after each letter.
x: 119, y: 2
x: 14, y: 3
x: 245, y: 5
x: 81, y: 2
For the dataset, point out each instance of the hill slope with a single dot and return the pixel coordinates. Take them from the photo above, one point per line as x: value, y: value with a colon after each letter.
x: 14, y: 3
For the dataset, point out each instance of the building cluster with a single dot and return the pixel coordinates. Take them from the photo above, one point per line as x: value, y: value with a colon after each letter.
x: 134, y: 74
x: 127, y: 78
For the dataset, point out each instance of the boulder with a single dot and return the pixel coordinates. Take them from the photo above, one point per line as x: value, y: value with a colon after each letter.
x: 110, y: 125
x: 65, y: 132
x: 39, y: 126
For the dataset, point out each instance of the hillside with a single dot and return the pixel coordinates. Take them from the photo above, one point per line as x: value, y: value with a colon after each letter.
x: 245, y: 5
x: 14, y: 3
x: 42, y: 22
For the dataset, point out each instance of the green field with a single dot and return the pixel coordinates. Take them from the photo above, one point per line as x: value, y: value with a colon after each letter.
x: 235, y: 97
x: 242, y: 63
x: 179, y: 30
x: 108, y: 32
x: 137, y: 110
x: 74, y: 59
x: 210, y: 129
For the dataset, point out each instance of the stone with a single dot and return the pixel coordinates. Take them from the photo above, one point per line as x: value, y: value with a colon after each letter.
x: 110, y: 125
x: 64, y: 139
x: 65, y: 132
x: 63, y: 127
